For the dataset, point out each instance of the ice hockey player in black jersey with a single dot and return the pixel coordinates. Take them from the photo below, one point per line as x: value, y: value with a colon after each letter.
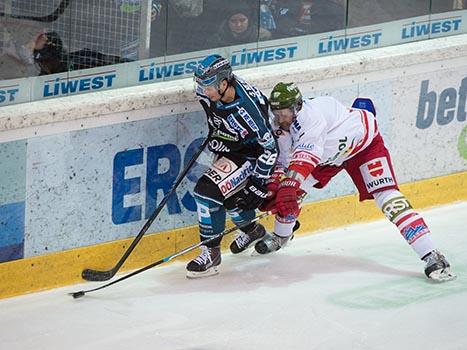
x: 245, y: 155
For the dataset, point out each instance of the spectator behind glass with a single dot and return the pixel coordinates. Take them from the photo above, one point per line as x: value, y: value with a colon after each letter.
x: 240, y: 27
x: 308, y: 17
x: 18, y: 60
x: 266, y: 17
x: 53, y: 58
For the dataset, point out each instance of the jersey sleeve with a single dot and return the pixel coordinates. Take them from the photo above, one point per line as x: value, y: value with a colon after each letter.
x: 260, y: 131
x: 284, y: 143
x: 309, y: 147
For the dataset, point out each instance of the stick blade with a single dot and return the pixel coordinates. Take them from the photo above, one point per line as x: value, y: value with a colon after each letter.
x: 96, y: 276
x: 77, y: 295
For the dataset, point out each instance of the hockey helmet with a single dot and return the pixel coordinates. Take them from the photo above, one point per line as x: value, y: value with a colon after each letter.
x: 286, y: 95
x: 212, y: 70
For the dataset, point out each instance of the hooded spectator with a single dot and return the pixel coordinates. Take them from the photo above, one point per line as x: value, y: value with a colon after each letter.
x: 240, y: 27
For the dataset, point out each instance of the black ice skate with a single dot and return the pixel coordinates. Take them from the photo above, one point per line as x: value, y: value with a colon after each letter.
x: 245, y: 239
x: 205, y: 264
x: 271, y: 243
x: 437, y: 267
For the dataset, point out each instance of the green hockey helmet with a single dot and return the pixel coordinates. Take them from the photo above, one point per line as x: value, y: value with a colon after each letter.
x: 286, y: 95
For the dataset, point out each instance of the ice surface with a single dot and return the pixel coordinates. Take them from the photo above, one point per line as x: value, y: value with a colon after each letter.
x: 359, y: 287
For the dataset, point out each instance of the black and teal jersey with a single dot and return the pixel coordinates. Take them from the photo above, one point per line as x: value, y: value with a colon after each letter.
x: 241, y: 128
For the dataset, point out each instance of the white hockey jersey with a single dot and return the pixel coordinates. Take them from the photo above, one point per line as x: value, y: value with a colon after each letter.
x: 325, y: 132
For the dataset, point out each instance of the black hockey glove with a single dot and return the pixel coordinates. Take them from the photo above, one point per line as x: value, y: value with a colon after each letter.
x: 252, y: 195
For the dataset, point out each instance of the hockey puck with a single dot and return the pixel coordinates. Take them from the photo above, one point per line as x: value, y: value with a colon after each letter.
x: 77, y: 295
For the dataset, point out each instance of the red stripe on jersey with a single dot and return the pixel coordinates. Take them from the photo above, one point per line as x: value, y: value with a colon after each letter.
x: 302, y: 168
x: 366, y: 126
x: 305, y: 156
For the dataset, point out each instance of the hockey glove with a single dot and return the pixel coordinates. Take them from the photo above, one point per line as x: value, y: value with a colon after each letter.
x: 252, y: 195
x: 287, y: 197
x: 273, y: 182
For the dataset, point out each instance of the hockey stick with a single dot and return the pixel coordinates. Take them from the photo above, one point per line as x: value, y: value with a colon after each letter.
x: 49, y: 18
x: 95, y: 275
x: 170, y: 257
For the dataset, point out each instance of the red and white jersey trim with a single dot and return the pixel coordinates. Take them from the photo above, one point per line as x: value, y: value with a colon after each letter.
x: 370, y: 131
x: 305, y: 157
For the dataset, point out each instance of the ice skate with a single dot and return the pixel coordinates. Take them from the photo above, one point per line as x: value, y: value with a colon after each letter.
x: 243, y: 240
x: 205, y: 264
x: 271, y: 243
x: 437, y: 267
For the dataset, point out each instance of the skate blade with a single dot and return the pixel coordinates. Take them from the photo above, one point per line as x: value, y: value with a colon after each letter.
x: 443, y: 275
x: 212, y: 271
x: 255, y: 253
x: 251, y: 245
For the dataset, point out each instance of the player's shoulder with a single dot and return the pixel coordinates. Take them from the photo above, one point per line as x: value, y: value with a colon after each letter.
x: 311, y: 110
x: 329, y: 106
x: 323, y: 102
x: 248, y: 93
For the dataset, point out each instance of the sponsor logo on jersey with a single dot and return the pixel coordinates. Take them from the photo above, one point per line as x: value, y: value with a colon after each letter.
x: 214, y: 175
x: 395, y: 207
x: 414, y: 231
x: 220, y: 170
x: 382, y: 182
x: 237, y: 126
x: 225, y: 165
x: 225, y: 136
x: 228, y: 127
x: 234, y: 181
x: 375, y: 169
x: 377, y: 174
x: 248, y: 119
x: 218, y: 146
x: 306, y: 146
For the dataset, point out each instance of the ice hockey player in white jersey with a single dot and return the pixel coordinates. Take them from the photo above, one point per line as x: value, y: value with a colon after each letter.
x: 317, y: 139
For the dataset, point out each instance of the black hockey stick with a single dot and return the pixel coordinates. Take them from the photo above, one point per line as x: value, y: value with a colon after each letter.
x: 95, y: 275
x: 170, y: 257
x: 49, y: 18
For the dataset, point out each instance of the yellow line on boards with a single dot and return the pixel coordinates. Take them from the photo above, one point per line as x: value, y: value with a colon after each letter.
x: 64, y: 268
